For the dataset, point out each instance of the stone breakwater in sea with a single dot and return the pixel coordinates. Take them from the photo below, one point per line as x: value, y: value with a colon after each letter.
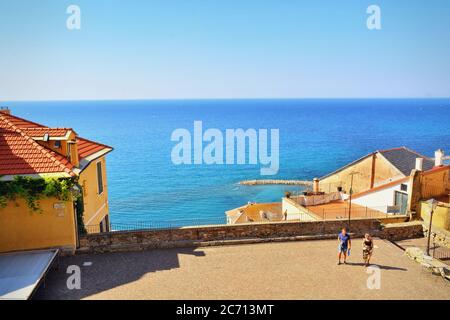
x: 267, y: 182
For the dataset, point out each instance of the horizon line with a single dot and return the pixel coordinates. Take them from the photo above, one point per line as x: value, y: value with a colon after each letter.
x: 220, y: 98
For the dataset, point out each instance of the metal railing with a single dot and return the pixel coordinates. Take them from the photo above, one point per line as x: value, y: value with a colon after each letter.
x: 441, y: 252
x: 157, y: 225
x: 360, y: 212
x: 334, y: 187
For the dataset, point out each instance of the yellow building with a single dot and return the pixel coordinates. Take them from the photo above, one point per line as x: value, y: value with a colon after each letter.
x: 32, y: 156
x: 441, y: 213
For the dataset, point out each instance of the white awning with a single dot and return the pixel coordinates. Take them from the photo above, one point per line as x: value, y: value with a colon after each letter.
x: 21, y: 272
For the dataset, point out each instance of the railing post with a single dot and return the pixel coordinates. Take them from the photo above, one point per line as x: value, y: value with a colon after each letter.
x: 323, y: 221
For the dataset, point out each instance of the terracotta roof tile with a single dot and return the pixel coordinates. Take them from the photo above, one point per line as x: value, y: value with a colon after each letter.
x: 40, y: 132
x: 86, y: 146
x: 20, y: 154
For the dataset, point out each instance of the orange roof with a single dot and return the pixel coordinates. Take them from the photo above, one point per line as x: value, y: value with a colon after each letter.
x: 52, y: 132
x: 20, y: 122
x: 251, y: 212
x: 339, y: 210
x: 88, y: 147
x: 20, y: 154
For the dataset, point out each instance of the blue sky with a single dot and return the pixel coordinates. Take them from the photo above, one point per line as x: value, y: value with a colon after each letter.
x: 173, y: 49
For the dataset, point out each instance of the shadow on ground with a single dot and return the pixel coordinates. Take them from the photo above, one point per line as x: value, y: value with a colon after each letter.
x: 105, y: 271
x: 361, y: 264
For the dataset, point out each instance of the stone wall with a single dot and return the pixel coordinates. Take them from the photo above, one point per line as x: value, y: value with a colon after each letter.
x: 394, y: 219
x: 229, y: 234
x: 438, y: 235
x: 401, y: 231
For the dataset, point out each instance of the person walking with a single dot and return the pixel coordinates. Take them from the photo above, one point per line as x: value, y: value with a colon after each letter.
x: 367, y: 246
x: 345, y: 244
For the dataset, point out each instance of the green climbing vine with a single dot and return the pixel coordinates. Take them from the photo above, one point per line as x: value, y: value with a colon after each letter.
x: 34, y: 189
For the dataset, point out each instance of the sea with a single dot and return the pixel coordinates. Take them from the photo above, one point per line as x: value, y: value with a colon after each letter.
x: 316, y: 136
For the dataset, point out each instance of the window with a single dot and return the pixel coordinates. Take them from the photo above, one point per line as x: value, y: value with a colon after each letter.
x: 57, y: 144
x: 99, y: 178
x: 404, y: 187
x: 401, y: 201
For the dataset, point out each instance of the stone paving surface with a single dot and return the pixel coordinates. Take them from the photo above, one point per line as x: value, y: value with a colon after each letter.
x: 288, y: 270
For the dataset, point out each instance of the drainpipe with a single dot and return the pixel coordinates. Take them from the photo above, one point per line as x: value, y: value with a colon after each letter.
x: 77, y: 236
x: 372, y: 173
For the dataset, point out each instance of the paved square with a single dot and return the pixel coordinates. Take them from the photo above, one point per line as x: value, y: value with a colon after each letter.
x: 288, y: 270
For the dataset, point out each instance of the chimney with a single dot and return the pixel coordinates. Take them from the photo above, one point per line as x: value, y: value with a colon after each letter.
x: 315, y: 185
x: 5, y: 110
x: 439, y: 158
x: 419, y: 164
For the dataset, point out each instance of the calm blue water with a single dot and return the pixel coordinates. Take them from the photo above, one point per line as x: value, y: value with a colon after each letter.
x: 316, y: 136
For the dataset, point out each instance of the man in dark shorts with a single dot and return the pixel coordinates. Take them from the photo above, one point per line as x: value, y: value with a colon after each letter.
x: 345, y: 244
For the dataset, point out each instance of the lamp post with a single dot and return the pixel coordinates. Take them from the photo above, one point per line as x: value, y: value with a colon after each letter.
x: 350, y: 198
x: 433, y: 205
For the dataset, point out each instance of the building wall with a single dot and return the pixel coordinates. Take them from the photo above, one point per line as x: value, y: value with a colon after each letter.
x: 435, y: 183
x: 295, y: 211
x: 427, y: 185
x: 380, y: 199
x: 95, y: 204
x: 441, y: 215
x: 21, y: 229
x: 384, y: 172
